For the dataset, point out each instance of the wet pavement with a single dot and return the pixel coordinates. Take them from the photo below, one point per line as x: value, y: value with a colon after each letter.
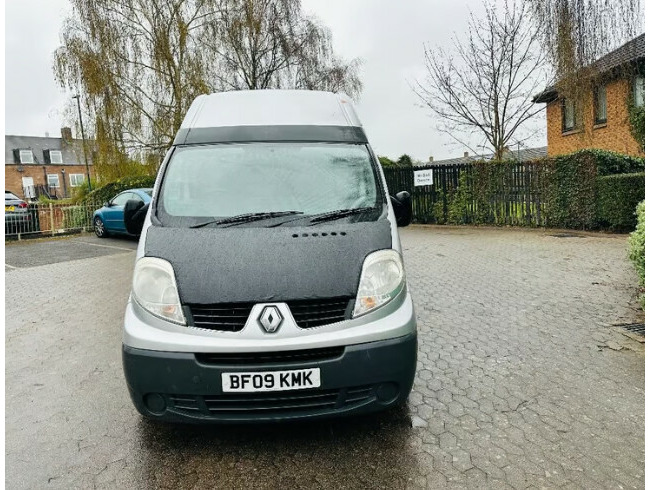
x: 522, y: 381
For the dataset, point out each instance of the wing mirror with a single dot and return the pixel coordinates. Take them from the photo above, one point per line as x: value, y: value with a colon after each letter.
x: 134, y: 213
x: 402, y: 207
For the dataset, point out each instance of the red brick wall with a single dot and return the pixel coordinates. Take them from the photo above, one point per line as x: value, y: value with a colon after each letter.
x: 13, y: 177
x: 614, y: 135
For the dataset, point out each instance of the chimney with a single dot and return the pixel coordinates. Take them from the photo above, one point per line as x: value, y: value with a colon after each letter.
x: 430, y: 159
x: 66, y: 134
x: 466, y: 154
x: 47, y: 135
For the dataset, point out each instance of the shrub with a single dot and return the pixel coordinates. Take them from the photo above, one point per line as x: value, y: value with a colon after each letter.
x: 460, y: 202
x: 81, y: 191
x: 609, y: 162
x: 569, y: 190
x: 637, y: 244
x: 77, y: 216
x: 617, y: 200
x: 108, y: 191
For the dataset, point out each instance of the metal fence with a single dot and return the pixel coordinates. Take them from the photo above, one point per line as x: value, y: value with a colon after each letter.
x: 48, y: 219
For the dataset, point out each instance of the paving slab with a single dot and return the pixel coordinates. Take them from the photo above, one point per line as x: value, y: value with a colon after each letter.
x: 512, y: 388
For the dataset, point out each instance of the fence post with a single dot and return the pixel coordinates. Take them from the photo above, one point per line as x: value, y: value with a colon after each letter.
x: 444, y: 194
x: 51, y: 219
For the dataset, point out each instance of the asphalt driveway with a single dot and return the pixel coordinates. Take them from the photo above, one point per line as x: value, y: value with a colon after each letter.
x: 523, y: 380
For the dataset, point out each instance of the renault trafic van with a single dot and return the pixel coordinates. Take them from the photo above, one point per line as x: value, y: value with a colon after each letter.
x: 269, y: 282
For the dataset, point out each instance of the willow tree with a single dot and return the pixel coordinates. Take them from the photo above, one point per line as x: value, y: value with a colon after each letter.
x: 137, y: 65
x: 484, y: 87
x: 272, y: 44
x: 578, y: 32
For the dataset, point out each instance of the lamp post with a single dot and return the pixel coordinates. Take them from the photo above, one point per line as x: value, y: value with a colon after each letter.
x: 83, y: 139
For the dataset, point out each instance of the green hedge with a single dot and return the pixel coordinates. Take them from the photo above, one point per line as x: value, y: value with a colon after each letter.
x: 108, y: 191
x: 588, y: 189
x: 608, y: 162
x: 617, y: 199
x: 637, y: 244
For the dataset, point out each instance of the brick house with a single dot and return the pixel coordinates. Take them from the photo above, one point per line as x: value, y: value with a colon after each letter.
x: 36, y: 165
x: 600, y: 119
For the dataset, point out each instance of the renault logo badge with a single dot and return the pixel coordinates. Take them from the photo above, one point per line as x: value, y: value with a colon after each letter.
x: 270, y: 319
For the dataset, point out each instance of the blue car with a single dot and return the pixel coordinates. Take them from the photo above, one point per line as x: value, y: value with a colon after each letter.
x: 109, y: 219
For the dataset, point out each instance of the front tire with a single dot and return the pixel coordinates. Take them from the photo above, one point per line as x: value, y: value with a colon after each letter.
x: 100, y: 228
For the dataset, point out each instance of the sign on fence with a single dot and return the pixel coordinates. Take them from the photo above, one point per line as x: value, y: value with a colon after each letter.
x: 423, y: 177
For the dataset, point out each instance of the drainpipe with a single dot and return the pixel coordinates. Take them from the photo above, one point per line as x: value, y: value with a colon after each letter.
x: 65, y: 185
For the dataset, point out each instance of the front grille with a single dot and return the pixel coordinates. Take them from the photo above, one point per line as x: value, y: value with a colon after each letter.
x: 310, y: 313
x: 232, y: 317
x: 283, y: 357
x: 271, y: 403
x: 226, y: 317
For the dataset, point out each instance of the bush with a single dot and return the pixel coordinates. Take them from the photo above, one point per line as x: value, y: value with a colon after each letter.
x: 77, y: 216
x: 637, y: 244
x: 81, y: 191
x: 609, y: 162
x: 108, y: 191
x: 617, y: 199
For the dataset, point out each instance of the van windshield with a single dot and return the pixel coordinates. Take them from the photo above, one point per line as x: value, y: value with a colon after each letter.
x: 226, y: 180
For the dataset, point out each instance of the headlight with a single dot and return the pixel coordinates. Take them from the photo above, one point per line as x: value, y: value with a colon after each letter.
x: 382, y: 278
x: 154, y: 288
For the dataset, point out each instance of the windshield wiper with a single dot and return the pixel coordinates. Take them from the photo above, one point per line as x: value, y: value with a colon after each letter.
x: 339, y: 213
x: 246, y: 218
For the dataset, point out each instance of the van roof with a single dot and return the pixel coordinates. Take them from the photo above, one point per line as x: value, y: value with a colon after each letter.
x: 271, y: 108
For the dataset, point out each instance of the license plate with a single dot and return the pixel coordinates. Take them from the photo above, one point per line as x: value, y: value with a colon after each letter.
x: 297, y: 379
x: 10, y: 208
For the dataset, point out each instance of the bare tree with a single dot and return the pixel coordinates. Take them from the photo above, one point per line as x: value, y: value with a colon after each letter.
x: 486, y: 88
x: 271, y: 44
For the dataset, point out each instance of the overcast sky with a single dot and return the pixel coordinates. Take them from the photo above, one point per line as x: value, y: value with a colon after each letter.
x: 387, y: 35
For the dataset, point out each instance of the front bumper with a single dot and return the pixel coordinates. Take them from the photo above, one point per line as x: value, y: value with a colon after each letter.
x: 361, y: 378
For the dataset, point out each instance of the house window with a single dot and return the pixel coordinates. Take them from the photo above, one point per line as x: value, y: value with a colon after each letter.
x: 76, y: 180
x: 639, y: 91
x: 26, y: 156
x: 53, y: 180
x: 568, y: 115
x: 56, y: 156
x: 600, y: 105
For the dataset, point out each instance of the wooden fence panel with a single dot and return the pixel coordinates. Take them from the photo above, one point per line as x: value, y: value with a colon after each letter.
x: 514, y: 196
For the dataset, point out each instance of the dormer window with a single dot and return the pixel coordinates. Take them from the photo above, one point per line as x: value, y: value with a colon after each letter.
x: 26, y: 156
x: 56, y: 156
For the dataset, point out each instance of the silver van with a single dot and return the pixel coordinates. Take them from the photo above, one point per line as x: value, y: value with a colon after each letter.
x: 269, y: 282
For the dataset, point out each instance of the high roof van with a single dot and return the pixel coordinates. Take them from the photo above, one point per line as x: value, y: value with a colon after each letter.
x: 269, y: 282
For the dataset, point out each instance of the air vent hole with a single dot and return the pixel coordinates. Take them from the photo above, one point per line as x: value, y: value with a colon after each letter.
x: 333, y: 233
x: 295, y: 235
x: 343, y: 233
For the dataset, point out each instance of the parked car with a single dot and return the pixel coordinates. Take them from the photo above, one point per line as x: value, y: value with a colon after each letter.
x: 269, y: 283
x: 17, y: 216
x: 109, y: 219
